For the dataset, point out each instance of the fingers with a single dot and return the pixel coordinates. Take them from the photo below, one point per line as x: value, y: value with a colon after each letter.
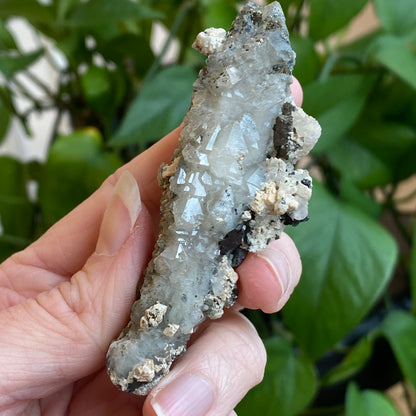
x: 267, y: 279
x: 63, y: 334
x: 204, y: 381
x: 120, y: 215
x: 97, y: 396
x: 297, y: 92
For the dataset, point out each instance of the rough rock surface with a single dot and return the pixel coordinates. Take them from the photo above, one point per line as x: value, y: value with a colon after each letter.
x: 231, y: 188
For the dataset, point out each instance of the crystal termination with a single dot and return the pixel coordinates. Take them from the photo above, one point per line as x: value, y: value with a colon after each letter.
x: 231, y: 188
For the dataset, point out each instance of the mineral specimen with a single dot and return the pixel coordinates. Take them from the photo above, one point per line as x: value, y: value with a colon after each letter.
x: 230, y: 188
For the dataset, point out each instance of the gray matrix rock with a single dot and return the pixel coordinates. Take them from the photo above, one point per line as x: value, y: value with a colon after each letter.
x: 230, y: 188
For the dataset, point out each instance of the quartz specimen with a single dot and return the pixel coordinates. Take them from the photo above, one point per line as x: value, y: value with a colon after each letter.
x: 230, y: 188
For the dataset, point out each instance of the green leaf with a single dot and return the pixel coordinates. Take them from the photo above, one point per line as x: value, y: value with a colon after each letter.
x: 359, y: 165
x: 12, y: 62
x: 307, y: 60
x: 219, y: 13
x: 11, y: 169
x: 288, y: 386
x: 352, y: 195
x: 337, y: 103
x: 96, y: 86
x: 76, y: 167
x: 328, y: 16
x: 368, y: 403
x: 16, y: 210
x: 357, y: 51
x: 397, y: 56
x: 398, y: 16
x: 6, y: 39
x: 405, y: 165
x: 288, y: 5
x: 348, y: 260
x: 6, y: 100
x: 32, y: 10
x: 400, y: 330
x: 159, y: 107
x: 16, y: 215
x: 352, y: 363
x: 4, y: 120
x: 63, y: 7
x: 101, y: 12
x: 389, y: 142
x: 128, y: 48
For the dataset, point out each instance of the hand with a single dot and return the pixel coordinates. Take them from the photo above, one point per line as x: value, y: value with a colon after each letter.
x: 65, y: 297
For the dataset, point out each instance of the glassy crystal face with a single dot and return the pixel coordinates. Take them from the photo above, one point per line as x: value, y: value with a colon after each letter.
x: 231, y: 188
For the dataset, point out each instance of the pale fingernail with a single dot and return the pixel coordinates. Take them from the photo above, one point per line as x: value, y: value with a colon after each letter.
x: 278, y: 262
x: 188, y: 395
x: 120, y: 215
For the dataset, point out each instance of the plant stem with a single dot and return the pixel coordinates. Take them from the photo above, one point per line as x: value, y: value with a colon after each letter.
x: 330, y: 175
x: 25, y: 92
x: 38, y: 82
x: 183, y: 11
x: 297, y: 19
x: 328, y: 66
x: 55, y: 127
x: 43, y: 107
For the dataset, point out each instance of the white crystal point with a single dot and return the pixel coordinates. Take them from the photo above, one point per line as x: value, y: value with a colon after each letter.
x: 231, y: 188
x: 210, y: 40
x: 306, y: 132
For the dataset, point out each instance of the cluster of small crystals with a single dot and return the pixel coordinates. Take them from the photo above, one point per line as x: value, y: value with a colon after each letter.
x: 223, y: 176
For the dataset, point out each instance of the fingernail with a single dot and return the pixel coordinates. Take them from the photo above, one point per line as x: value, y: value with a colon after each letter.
x: 188, y: 395
x: 278, y: 262
x: 120, y: 215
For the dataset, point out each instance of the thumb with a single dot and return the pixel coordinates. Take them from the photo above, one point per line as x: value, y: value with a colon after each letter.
x: 63, y: 334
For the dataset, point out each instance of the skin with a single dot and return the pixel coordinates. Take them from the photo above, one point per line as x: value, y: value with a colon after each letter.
x: 65, y: 297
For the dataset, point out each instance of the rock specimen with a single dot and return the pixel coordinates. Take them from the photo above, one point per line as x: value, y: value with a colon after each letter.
x: 230, y: 188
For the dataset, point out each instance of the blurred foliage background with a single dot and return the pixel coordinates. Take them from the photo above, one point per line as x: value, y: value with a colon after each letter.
x: 349, y: 331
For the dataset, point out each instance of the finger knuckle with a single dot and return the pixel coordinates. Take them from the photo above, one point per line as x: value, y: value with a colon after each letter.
x: 245, y: 348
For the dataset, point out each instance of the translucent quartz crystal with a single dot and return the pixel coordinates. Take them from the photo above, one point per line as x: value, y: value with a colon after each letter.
x: 231, y: 188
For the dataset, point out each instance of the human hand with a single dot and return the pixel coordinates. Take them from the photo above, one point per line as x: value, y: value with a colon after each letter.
x: 65, y: 297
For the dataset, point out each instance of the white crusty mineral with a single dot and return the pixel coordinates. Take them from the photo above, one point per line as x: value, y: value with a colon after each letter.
x: 231, y: 188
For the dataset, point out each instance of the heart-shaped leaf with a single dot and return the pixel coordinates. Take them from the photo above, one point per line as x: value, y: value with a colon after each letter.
x: 348, y: 260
